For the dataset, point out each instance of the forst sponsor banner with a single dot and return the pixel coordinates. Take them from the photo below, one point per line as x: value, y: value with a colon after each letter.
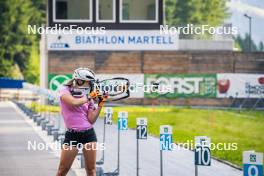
x: 136, y: 80
x: 240, y: 85
x: 181, y: 85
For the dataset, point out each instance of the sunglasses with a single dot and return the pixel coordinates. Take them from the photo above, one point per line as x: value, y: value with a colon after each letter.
x: 81, y: 82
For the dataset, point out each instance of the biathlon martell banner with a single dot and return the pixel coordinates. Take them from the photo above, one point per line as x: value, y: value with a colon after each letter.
x: 114, y: 40
x: 182, y: 85
x: 240, y: 85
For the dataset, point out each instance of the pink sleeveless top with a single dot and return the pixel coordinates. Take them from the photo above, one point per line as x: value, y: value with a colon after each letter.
x: 75, y: 117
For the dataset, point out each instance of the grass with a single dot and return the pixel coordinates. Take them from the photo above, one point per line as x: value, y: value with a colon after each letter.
x: 244, y: 128
x: 43, y: 108
x: 222, y: 126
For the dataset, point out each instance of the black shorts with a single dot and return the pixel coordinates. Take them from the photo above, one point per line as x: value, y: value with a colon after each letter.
x: 73, y: 138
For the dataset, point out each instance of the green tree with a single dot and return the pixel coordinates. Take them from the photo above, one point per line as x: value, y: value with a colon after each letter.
x: 243, y: 43
x: 32, y: 70
x: 261, y: 46
x: 5, y: 67
x: 254, y: 46
x: 16, y: 43
x: 196, y: 12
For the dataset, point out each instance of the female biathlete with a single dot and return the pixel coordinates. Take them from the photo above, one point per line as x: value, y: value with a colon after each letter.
x: 79, y: 114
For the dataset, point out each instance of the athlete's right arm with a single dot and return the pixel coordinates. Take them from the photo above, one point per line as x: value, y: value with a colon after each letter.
x: 70, y: 100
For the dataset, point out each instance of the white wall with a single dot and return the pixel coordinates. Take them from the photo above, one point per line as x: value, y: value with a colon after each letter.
x: 227, y: 45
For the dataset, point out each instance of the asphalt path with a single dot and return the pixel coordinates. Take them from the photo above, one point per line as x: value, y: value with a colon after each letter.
x: 15, y: 158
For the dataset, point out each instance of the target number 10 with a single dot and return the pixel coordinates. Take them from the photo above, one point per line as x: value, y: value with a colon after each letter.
x: 202, y: 156
x: 202, y: 151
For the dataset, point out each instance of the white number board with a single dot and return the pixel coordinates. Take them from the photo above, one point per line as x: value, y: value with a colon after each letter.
x: 142, y: 128
x: 202, y: 141
x: 108, y: 110
x: 122, y: 120
x: 165, y: 137
x: 108, y: 115
x: 252, y: 163
x: 202, y: 154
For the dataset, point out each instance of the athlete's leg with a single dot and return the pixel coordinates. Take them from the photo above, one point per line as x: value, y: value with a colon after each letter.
x: 89, y: 153
x: 67, y: 157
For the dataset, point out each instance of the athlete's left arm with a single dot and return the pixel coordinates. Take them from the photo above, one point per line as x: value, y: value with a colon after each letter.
x: 93, y: 114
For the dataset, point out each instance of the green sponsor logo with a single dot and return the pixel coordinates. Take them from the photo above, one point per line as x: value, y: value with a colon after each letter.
x: 181, y: 85
x: 55, y: 81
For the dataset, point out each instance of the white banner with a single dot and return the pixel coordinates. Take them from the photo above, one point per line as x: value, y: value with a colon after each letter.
x: 113, y: 40
x: 240, y: 85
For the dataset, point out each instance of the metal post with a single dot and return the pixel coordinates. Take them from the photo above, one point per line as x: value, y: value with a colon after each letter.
x: 43, y: 62
x: 255, y: 104
x: 137, y: 157
x: 250, y: 48
x: 101, y: 161
x: 104, y: 138
x: 39, y: 107
x: 118, y: 151
x: 249, y: 37
x: 196, y: 170
x: 233, y: 101
x: 59, y: 121
x: 161, y: 163
x: 244, y: 102
x: 49, y: 109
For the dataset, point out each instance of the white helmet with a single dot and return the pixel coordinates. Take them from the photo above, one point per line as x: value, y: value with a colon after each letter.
x: 84, y: 74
